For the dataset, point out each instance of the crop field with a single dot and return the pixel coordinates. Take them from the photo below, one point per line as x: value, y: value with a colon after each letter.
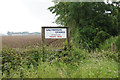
x: 28, y: 41
x: 20, y: 41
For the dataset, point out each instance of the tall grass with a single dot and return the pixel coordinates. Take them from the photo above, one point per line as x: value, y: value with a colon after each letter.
x: 96, y: 65
x: 73, y: 63
x: 107, y: 45
x: 92, y: 68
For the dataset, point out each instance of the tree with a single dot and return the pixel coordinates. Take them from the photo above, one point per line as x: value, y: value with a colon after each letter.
x: 86, y: 20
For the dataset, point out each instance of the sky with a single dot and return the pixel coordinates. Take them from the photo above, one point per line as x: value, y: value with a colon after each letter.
x: 25, y: 15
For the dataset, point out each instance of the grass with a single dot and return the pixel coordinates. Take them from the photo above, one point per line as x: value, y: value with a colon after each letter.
x: 97, y: 69
x: 108, y: 43
x: 76, y: 63
x: 91, y: 68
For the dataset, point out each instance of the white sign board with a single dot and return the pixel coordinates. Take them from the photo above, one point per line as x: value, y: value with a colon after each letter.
x: 55, y: 33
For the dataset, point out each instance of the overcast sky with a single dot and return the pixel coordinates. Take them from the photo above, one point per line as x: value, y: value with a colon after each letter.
x: 25, y: 15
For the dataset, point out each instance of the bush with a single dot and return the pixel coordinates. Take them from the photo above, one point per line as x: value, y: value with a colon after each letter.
x: 107, y: 44
x: 72, y: 62
x: 107, y: 48
x: 91, y: 68
x: 14, y: 58
x: 101, y: 37
x: 86, y: 37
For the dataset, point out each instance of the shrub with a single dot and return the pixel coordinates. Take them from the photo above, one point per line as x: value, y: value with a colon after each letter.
x: 91, y: 68
x: 13, y: 58
x: 107, y: 44
x: 101, y: 37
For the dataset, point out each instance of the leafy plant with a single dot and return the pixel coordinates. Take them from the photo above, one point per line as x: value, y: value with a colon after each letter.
x: 101, y: 37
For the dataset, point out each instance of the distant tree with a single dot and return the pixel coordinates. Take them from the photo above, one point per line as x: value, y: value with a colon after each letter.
x: 9, y: 33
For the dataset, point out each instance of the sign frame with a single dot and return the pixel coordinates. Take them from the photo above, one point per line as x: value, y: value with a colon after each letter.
x: 43, y: 35
x: 55, y: 33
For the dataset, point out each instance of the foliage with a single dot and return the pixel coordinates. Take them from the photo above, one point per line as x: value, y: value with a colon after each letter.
x: 107, y: 45
x: 101, y: 37
x: 14, y: 58
x: 70, y: 63
x: 92, y: 68
x: 87, y: 21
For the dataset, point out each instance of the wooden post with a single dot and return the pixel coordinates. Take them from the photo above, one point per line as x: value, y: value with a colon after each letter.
x: 43, y: 36
x: 113, y: 47
x: 68, y: 38
x: 43, y: 42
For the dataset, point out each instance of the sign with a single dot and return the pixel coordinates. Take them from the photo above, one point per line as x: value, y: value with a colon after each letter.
x: 55, y: 33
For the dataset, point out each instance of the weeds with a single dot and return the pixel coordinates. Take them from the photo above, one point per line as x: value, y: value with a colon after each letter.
x: 69, y: 63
